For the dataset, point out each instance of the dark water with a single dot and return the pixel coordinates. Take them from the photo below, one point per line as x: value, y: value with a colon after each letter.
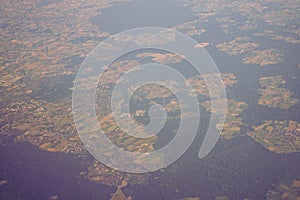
x: 43, y: 3
x: 238, y: 168
x: 35, y: 174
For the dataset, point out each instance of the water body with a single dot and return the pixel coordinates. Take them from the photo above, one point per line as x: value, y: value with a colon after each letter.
x: 239, y: 168
x: 137, y: 14
x: 34, y: 174
x: 43, y: 3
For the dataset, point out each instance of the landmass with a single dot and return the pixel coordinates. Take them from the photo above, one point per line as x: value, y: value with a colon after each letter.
x: 264, y: 57
x: 285, y: 190
x: 278, y: 136
x: 238, y: 46
x: 274, y: 93
x: 162, y: 58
